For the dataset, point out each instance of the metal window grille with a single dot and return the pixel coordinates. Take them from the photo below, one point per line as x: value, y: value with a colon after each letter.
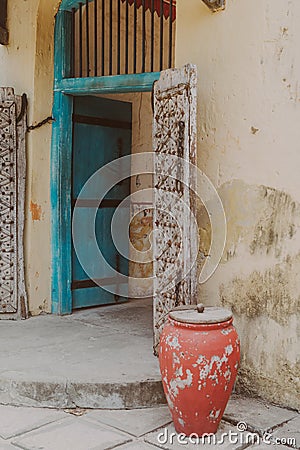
x: 113, y: 37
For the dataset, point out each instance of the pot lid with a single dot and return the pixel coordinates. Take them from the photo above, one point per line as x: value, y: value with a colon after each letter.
x: 200, y: 314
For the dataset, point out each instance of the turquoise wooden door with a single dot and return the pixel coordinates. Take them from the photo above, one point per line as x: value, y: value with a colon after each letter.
x: 101, y: 133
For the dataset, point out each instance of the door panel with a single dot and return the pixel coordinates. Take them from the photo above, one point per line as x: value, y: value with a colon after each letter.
x: 174, y: 134
x: 101, y: 133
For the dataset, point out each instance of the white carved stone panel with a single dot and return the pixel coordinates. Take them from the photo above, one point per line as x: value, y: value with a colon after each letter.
x: 174, y: 133
x: 13, y: 301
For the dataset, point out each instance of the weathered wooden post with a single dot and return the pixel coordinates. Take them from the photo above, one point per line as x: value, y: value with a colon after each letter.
x: 13, y: 299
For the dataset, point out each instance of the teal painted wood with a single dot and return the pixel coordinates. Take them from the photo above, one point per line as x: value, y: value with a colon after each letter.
x: 94, y: 146
x: 60, y: 183
x: 61, y: 148
x: 62, y: 50
x: 67, y: 5
x: 111, y: 84
x: 94, y: 297
x: 61, y: 204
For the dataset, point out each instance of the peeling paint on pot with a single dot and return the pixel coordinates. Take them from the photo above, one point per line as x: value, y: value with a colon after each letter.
x: 199, y: 364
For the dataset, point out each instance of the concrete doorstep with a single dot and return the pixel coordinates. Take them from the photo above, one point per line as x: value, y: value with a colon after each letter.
x: 96, y: 358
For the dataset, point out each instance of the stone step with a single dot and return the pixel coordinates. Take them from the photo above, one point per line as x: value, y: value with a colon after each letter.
x: 144, y: 394
x: 96, y: 358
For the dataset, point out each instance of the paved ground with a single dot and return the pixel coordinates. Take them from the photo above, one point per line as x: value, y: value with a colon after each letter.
x: 102, y: 358
x: 96, y: 358
x: 142, y: 429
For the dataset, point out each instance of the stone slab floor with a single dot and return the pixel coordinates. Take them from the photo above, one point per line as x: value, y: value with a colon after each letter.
x: 144, y: 429
x: 61, y: 377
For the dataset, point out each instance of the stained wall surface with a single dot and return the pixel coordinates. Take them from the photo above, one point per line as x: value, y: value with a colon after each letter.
x: 27, y: 65
x: 249, y: 145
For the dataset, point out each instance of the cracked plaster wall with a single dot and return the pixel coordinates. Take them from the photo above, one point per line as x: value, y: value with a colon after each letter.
x: 249, y: 145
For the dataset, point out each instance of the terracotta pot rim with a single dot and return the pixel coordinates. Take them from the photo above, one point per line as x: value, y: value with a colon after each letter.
x: 202, y: 326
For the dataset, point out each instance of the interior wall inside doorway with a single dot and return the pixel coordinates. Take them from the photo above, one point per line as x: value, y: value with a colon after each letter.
x: 141, y: 226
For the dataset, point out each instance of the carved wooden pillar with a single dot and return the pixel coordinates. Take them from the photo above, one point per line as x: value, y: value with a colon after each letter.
x: 13, y: 299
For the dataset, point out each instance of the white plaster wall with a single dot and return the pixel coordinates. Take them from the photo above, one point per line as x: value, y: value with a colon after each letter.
x: 18, y: 68
x: 27, y: 65
x: 17, y: 59
x: 38, y: 237
x: 249, y: 145
x: 249, y: 69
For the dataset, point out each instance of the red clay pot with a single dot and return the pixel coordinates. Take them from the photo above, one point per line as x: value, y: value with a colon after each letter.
x: 199, y: 357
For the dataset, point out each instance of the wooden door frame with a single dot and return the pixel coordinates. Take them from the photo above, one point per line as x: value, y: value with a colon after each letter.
x: 65, y: 89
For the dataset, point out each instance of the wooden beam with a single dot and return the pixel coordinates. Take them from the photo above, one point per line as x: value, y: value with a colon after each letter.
x: 110, y: 84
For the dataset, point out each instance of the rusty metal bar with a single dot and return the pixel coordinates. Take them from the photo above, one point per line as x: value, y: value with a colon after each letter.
x: 95, y: 38
x: 143, y: 36
x: 87, y: 24
x: 171, y: 34
x: 119, y: 39
x: 73, y: 44
x: 127, y: 38
x: 152, y: 36
x: 80, y: 40
x: 103, y: 38
x: 110, y: 37
x: 161, y: 50
x: 134, y: 36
